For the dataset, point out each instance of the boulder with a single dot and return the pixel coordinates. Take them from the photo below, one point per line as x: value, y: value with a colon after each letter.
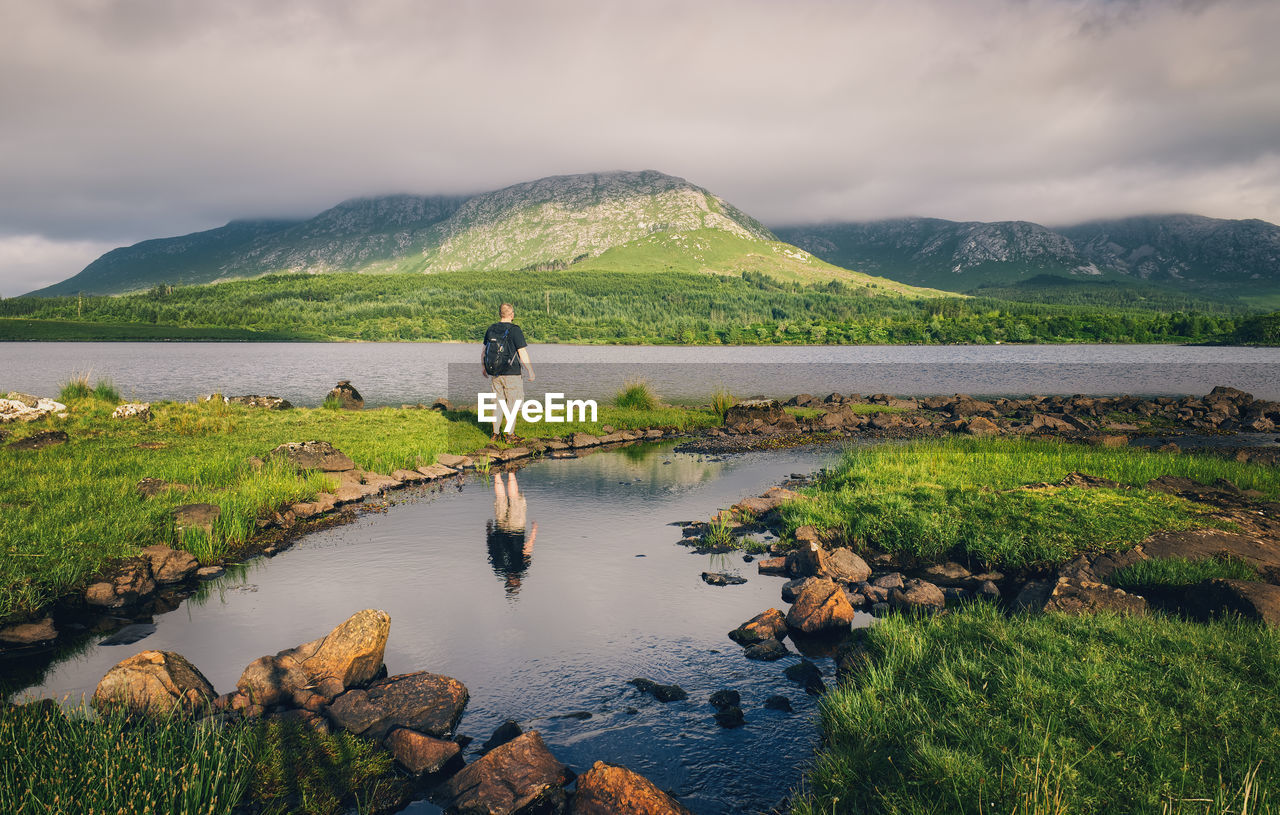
x: 170, y: 565
x: 1086, y: 597
x: 725, y: 698
x: 918, y: 594
x: 432, y: 472
x: 768, y: 650
x: 21, y: 407
x: 502, y: 734
x: 821, y: 606
x: 791, y: 588
x: 426, y: 702
x: 722, y: 579
x: 767, y: 411
x: 351, y: 653
x: 133, y: 410
x: 408, y: 476
x: 418, y: 753
x: 807, y: 674
x: 28, y: 633
x: 663, y: 693
x: 314, y: 455
x: 1252, y: 600
x: 452, y: 461
x: 772, y: 565
x: 946, y: 574
x: 843, y: 566
x: 583, y: 440
x: 730, y: 717
x: 347, y: 396
x: 195, y: 516
x: 773, y: 498
x: 1040, y: 421
x: 767, y: 625
x: 981, y: 426
x: 154, y: 683
x: 520, y: 774
x: 271, y: 680
x: 778, y: 702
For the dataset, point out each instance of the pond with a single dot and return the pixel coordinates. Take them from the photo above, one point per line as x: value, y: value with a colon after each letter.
x: 396, y: 373
x: 598, y: 593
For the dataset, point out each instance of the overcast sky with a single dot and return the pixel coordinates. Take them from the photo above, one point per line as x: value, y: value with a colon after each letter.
x: 121, y: 121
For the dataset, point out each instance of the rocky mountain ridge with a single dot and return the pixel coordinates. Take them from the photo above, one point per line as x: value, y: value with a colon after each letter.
x: 1185, y: 252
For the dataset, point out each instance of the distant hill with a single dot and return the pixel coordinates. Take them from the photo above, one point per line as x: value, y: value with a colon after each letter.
x: 546, y: 224
x: 1188, y: 253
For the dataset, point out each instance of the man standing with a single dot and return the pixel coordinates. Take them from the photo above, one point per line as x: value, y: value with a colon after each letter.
x: 501, y: 357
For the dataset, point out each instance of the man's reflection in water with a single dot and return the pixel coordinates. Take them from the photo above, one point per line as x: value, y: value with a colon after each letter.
x: 509, y: 550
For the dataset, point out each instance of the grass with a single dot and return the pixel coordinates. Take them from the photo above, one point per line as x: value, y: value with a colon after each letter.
x: 1178, y: 571
x: 976, y: 712
x: 78, y: 388
x: 70, y: 511
x: 959, y: 499
x: 53, y: 761
x: 636, y: 396
x: 721, y: 401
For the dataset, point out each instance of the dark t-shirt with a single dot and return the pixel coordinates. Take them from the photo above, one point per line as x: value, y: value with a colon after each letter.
x: 515, y: 336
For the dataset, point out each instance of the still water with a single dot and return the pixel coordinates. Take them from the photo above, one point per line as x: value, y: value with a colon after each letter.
x: 396, y: 373
x: 603, y: 595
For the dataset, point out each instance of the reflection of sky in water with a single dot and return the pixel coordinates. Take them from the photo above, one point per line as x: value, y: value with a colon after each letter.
x: 606, y: 596
x: 395, y: 373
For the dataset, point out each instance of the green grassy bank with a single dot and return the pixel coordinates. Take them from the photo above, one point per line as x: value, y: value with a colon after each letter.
x: 976, y: 712
x: 961, y: 499
x: 71, y: 510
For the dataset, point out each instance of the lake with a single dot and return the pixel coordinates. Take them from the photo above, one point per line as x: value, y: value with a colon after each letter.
x: 397, y: 373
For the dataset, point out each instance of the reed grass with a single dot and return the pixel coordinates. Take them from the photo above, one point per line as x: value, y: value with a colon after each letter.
x: 636, y: 396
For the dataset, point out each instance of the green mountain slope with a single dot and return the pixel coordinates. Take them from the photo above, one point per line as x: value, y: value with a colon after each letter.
x: 545, y: 224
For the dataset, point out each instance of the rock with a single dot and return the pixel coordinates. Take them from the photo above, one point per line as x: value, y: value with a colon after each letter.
x: 314, y: 455
x: 433, y: 472
x: 453, y: 462
x: 1032, y: 596
x: 39, y: 441
x: 265, y: 402
x: 209, y: 572
x: 609, y: 789
x: 508, y: 779
x: 722, y: 579
x: 725, y: 698
x: 808, y: 534
x: 947, y: 574
x: 663, y: 693
x: 981, y: 426
x: 880, y: 609
x: 821, y: 606
x: 505, y: 732
x: 766, y: 625
x: 792, y: 587
x: 1252, y: 600
x: 28, y: 408
x: 841, y: 565
x: 888, y: 582
x: 133, y: 410
x: 743, y: 414
x: 102, y: 594
x: 1086, y: 597
x: 418, y: 753
x: 730, y: 717
x: 988, y: 589
x: 583, y: 440
x: 351, y: 653
x: 762, y: 505
x: 151, y: 487
x: 772, y: 565
x: 347, y: 396
x: 918, y: 594
x: 170, y: 565
x: 195, y: 516
x: 154, y: 683
x: 425, y: 702
x: 807, y: 674
x: 1040, y: 421
x: 271, y: 680
x: 408, y: 476
x: 778, y: 702
x: 29, y: 633
x: 766, y: 651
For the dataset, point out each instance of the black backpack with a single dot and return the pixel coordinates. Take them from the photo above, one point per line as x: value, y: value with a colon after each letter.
x: 498, y: 353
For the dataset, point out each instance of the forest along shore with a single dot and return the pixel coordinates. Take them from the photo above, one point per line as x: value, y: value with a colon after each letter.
x: 1034, y: 570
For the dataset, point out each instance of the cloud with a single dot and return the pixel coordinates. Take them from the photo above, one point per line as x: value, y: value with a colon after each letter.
x: 132, y: 119
x: 29, y: 262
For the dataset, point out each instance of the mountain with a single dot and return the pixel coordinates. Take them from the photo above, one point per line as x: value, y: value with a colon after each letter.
x: 1188, y: 253
x: 549, y: 223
